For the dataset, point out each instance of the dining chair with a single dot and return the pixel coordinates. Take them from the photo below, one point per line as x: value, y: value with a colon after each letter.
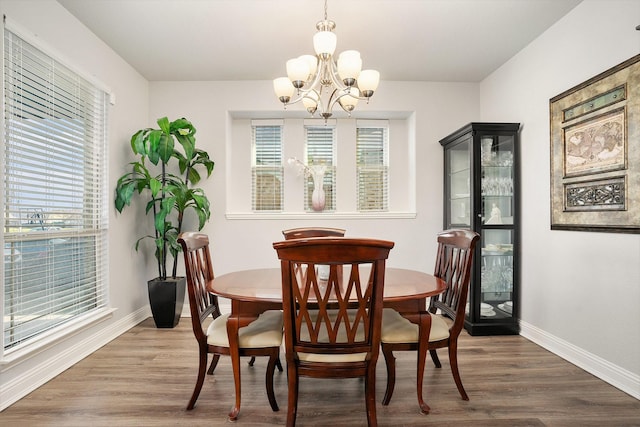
x: 331, y: 333
x: 262, y: 337
x: 442, y: 324
x: 303, y: 232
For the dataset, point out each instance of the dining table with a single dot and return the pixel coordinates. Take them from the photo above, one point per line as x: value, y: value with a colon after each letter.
x: 254, y: 291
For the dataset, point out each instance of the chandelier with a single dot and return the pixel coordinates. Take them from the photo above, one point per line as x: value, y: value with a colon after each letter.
x: 320, y: 81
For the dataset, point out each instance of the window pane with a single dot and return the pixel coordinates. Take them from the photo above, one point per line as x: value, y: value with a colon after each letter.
x: 320, y: 151
x: 267, y: 170
x: 55, y: 246
x: 372, y: 159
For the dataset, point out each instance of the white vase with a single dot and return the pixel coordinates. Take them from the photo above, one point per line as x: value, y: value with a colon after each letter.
x: 318, y: 196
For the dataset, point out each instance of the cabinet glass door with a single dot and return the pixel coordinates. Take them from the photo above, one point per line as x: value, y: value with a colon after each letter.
x: 496, y: 160
x: 497, y: 274
x: 458, y: 189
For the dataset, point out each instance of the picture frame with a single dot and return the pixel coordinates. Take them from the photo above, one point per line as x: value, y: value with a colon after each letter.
x: 595, y: 153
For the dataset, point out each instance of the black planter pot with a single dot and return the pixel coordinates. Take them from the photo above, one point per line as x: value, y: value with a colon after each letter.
x: 166, y: 298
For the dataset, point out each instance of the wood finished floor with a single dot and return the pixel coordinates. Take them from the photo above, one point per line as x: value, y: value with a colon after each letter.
x: 146, y: 376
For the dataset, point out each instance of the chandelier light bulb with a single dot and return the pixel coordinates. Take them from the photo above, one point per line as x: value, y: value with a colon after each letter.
x: 283, y: 89
x: 310, y: 101
x: 324, y: 43
x: 349, y: 66
x: 297, y: 71
x: 312, y: 63
x: 349, y: 100
x: 368, y: 82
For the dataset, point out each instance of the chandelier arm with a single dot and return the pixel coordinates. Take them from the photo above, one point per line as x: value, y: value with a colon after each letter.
x: 333, y: 74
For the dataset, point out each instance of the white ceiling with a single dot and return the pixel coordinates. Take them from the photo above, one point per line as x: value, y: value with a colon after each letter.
x: 413, y: 40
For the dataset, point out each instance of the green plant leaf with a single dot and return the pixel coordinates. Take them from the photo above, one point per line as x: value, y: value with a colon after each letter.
x: 165, y: 147
x: 164, y: 125
x: 194, y: 176
x: 154, y: 141
x: 155, y: 186
x: 137, y: 142
x: 124, y: 192
x: 188, y: 143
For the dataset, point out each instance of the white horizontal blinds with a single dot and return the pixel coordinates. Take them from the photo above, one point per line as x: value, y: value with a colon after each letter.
x: 267, y: 171
x: 320, y: 148
x: 372, y: 157
x: 55, y: 194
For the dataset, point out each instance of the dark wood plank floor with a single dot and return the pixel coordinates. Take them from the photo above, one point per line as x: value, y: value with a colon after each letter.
x: 146, y: 376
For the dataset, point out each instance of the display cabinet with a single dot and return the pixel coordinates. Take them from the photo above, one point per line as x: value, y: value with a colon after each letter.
x: 481, y: 193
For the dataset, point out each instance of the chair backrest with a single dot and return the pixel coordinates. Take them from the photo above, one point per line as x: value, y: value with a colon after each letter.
x: 197, y: 261
x: 453, y: 264
x: 304, y: 232
x: 322, y: 315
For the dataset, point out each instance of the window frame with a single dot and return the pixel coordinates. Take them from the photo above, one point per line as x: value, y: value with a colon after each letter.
x: 275, y: 167
x: 91, y: 226
x: 368, y: 165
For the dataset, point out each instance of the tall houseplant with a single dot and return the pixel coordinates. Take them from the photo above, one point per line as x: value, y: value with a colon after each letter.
x: 169, y: 196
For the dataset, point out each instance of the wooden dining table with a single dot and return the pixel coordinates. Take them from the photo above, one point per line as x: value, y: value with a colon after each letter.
x: 252, y: 292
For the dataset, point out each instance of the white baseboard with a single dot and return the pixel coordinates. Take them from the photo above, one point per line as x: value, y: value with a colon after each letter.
x: 618, y: 377
x: 15, y: 390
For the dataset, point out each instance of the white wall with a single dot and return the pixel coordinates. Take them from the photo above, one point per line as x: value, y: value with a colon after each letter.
x: 73, y: 44
x: 580, y: 290
x: 438, y: 109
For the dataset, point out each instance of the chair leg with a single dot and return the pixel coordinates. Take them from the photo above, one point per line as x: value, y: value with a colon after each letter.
x: 252, y: 361
x: 201, y: 371
x: 278, y: 364
x: 271, y: 368
x: 422, y: 359
x: 370, y: 396
x: 390, y: 361
x: 292, y: 398
x: 214, y: 363
x: 453, y: 361
x: 434, y: 357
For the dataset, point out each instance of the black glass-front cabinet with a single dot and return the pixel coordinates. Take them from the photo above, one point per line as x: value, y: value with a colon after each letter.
x: 481, y: 191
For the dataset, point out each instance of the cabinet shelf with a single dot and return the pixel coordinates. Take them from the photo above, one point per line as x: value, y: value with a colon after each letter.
x: 481, y: 194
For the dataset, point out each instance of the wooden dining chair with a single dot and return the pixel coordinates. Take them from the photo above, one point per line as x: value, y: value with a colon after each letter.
x: 303, y: 232
x: 416, y: 332
x: 262, y: 337
x: 331, y: 333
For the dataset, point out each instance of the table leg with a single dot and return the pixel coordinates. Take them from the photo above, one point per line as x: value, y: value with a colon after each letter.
x: 233, y: 325
x: 423, y: 344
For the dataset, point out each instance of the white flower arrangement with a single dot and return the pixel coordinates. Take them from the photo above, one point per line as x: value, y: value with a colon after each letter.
x: 313, y: 171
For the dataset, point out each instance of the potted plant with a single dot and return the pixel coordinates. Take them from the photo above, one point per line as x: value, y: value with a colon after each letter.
x: 170, y: 193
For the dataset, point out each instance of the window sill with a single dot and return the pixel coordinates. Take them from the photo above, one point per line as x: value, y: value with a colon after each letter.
x: 48, y: 340
x: 319, y: 215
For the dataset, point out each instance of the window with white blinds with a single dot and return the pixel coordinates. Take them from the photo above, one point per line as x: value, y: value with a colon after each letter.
x: 267, y: 168
x: 54, y: 195
x: 372, y: 158
x: 320, y: 149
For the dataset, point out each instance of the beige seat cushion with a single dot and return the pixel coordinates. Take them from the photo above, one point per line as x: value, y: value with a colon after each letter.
x: 265, y: 331
x: 397, y: 329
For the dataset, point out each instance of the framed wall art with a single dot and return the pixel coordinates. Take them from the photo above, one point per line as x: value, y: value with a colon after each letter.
x: 595, y: 153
